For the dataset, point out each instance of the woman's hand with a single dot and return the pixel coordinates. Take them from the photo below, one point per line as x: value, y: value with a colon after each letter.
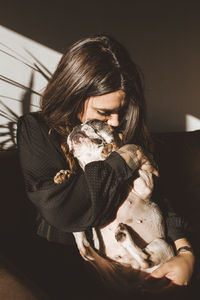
x: 178, y: 270
x: 135, y: 158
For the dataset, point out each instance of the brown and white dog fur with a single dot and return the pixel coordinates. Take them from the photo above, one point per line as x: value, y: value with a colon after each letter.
x: 135, y: 239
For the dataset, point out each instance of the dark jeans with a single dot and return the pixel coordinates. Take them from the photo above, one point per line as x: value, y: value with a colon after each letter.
x: 57, y: 269
x: 60, y: 272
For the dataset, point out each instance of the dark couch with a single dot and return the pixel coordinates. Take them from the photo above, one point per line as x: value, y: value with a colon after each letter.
x: 178, y: 157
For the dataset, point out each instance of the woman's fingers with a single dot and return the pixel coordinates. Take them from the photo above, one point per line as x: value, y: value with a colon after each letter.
x: 136, y: 158
x: 148, y: 167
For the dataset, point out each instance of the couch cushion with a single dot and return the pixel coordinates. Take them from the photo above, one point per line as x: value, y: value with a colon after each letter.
x: 178, y: 157
x: 15, y: 209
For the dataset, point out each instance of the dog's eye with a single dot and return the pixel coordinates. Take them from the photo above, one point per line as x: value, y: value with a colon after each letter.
x: 97, y: 141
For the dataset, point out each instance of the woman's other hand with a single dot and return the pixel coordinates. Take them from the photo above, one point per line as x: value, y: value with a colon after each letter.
x: 136, y: 158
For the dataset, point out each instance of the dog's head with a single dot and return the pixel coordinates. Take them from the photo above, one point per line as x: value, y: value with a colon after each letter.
x: 92, y: 141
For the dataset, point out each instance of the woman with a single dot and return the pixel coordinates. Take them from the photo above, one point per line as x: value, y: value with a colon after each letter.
x: 95, y: 79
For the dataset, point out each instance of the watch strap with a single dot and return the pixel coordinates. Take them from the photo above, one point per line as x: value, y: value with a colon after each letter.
x: 183, y: 249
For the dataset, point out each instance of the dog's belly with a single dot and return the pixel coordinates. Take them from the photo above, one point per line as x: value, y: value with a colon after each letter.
x: 143, y: 216
x: 144, y: 220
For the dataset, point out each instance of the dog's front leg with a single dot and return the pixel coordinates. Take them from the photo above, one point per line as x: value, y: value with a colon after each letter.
x: 143, y: 185
x: 123, y: 236
x: 83, y: 245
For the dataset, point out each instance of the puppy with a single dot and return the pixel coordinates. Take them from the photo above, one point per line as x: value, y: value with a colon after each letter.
x: 134, y: 241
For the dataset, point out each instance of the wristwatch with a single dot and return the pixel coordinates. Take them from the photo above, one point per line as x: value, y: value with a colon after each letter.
x: 183, y: 249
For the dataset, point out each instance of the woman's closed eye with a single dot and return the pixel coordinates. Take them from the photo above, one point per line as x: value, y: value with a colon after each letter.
x: 104, y: 113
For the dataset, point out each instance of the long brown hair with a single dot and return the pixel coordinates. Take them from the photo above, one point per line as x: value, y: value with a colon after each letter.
x: 92, y: 67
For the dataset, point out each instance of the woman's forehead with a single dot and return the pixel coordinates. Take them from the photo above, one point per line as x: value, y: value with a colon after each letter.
x: 111, y: 101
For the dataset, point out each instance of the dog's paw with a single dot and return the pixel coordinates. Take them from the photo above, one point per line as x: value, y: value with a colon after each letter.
x: 121, y: 233
x: 61, y: 176
x: 143, y: 185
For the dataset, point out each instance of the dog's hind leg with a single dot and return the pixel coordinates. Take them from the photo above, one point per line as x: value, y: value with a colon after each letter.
x: 123, y: 236
x: 159, y: 251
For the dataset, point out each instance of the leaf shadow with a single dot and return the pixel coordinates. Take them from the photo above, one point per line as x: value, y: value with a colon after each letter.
x: 10, y: 128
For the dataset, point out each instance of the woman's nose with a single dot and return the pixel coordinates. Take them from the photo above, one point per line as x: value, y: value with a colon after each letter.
x: 113, y: 120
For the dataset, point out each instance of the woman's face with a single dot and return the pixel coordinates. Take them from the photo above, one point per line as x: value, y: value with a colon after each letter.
x: 105, y: 108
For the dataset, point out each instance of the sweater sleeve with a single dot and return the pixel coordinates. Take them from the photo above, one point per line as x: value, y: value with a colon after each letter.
x: 177, y: 227
x: 87, y: 199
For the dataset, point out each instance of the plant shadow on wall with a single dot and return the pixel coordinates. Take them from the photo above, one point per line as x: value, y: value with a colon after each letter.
x: 8, y: 130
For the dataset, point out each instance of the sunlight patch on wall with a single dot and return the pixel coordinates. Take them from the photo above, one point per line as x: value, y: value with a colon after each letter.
x: 25, y: 68
x: 192, y: 123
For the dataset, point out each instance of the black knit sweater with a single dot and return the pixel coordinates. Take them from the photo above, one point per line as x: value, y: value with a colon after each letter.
x: 87, y: 199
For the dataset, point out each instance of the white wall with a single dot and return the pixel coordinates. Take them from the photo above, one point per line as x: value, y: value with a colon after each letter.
x: 21, y: 82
